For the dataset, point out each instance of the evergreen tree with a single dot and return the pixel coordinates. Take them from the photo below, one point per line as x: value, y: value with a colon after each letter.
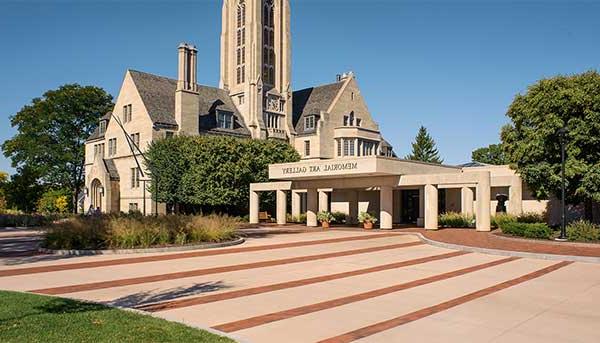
x: 423, y: 148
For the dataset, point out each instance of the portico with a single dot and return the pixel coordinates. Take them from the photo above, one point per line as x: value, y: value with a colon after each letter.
x: 378, y: 185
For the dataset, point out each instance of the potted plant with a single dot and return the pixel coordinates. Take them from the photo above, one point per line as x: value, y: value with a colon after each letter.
x: 367, y: 219
x: 325, y: 218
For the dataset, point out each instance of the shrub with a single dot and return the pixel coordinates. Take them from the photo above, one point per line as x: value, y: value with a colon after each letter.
x: 583, y: 231
x: 54, y: 201
x: 527, y: 230
x: 501, y: 218
x: 531, y: 218
x: 325, y: 217
x: 340, y: 217
x: 16, y: 218
x: 300, y: 219
x: 366, y: 217
x: 132, y: 231
x: 457, y: 220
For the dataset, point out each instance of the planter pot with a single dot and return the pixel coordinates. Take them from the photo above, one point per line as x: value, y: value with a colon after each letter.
x: 368, y: 225
x: 325, y: 225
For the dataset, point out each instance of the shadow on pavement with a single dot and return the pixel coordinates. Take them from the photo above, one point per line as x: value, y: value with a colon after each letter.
x: 150, y: 297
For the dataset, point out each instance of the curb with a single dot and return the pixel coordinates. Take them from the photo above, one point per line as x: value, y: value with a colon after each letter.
x: 141, y: 251
x: 552, y: 257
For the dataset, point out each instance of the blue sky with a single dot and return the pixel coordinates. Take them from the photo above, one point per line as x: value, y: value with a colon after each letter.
x: 452, y: 66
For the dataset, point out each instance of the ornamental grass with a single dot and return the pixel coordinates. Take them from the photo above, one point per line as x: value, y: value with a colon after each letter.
x: 139, y: 232
x: 456, y: 220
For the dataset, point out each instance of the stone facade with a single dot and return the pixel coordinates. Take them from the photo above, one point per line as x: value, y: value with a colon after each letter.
x: 254, y: 100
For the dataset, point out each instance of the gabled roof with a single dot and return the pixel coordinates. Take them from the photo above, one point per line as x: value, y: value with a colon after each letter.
x: 158, y: 95
x: 113, y: 172
x: 311, y: 101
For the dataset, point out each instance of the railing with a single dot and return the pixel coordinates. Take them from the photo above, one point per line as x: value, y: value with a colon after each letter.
x: 276, y: 133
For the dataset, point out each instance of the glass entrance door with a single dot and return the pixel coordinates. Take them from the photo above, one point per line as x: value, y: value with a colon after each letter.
x: 410, y: 206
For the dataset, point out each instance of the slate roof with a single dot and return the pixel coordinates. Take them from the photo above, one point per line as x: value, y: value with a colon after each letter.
x: 112, y: 169
x: 158, y: 95
x: 473, y: 164
x: 311, y: 101
x: 96, y: 135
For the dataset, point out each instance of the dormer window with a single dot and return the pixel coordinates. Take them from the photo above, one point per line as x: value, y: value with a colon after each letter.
x: 225, y: 120
x: 102, y: 127
x: 309, y: 123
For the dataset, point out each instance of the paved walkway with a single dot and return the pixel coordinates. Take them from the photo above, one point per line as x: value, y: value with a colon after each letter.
x: 491, y: 240
x: 337, y: 286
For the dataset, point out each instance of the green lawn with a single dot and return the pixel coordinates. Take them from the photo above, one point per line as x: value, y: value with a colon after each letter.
x: 34, y: 318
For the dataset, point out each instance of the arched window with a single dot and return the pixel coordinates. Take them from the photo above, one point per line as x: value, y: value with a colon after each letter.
x: 241, y: 42
x: 269, y: 42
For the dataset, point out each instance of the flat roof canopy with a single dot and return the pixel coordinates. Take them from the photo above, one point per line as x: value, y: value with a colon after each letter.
x: 355, y: 167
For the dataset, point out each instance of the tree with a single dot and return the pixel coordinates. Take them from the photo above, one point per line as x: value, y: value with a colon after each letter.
x: 212, y: 173
x: 23, y: 190
x: 54, y: 201
x: 492, y: 154
x: 532, y: 140
x: 424, y: 149
x: 3, y: 183
x: 51, y: 132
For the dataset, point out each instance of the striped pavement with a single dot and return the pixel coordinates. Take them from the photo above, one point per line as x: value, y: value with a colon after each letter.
x: 337, y: 287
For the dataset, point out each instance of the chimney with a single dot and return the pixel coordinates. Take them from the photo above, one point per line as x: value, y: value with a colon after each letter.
x: 187, y: 78
x: 187, y: 104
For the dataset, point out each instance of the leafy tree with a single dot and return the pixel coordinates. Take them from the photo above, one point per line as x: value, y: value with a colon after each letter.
x: 3, y: 183
x: 54, y: 201
x: 424, y: 149
x: 212, y: 173
x: 52, y: 131
x: 532, y: 140
x: 492, y: 154
x: 23, y: 190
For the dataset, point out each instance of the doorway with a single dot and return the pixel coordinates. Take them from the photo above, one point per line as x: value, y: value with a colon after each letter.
x: 409, y: 213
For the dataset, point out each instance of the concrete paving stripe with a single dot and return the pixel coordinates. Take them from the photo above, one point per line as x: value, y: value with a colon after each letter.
x: 302, y: 310
x: 216, y: 270
x: 413, y: 316
x: 158, y: 258
x: 175, y: 304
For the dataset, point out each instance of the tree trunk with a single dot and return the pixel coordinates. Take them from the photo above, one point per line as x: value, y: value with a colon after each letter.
x: 596, y: 212
x: 588, y: 212
x: 74, y: 199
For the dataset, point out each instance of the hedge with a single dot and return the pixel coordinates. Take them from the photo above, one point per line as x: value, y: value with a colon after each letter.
x: 527, y: 230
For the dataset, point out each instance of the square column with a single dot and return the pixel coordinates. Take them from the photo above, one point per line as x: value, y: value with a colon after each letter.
x: 386, y: 205
x: 483, y: 217
x: 323, y: 201
x: 312, y: 207
x: 515, y: 196
x: 352, y: 206
x: 281, y: 207
x: 466, y: 200
x: 254, y: 204
x: 421, y: 219
x: 296, y: 199
x: 431, y: 207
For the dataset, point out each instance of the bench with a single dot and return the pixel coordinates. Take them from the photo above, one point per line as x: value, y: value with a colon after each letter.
x: 264, y: 216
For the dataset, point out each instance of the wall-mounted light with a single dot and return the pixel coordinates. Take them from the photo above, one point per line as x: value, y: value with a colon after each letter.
x: 101, y: 190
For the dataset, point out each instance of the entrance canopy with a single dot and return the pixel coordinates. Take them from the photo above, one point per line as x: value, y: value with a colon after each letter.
x: 355, y: 167
x: 376, y: 180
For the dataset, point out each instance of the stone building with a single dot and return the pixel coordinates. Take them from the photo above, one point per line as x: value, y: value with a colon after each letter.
x: 255, y: 99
